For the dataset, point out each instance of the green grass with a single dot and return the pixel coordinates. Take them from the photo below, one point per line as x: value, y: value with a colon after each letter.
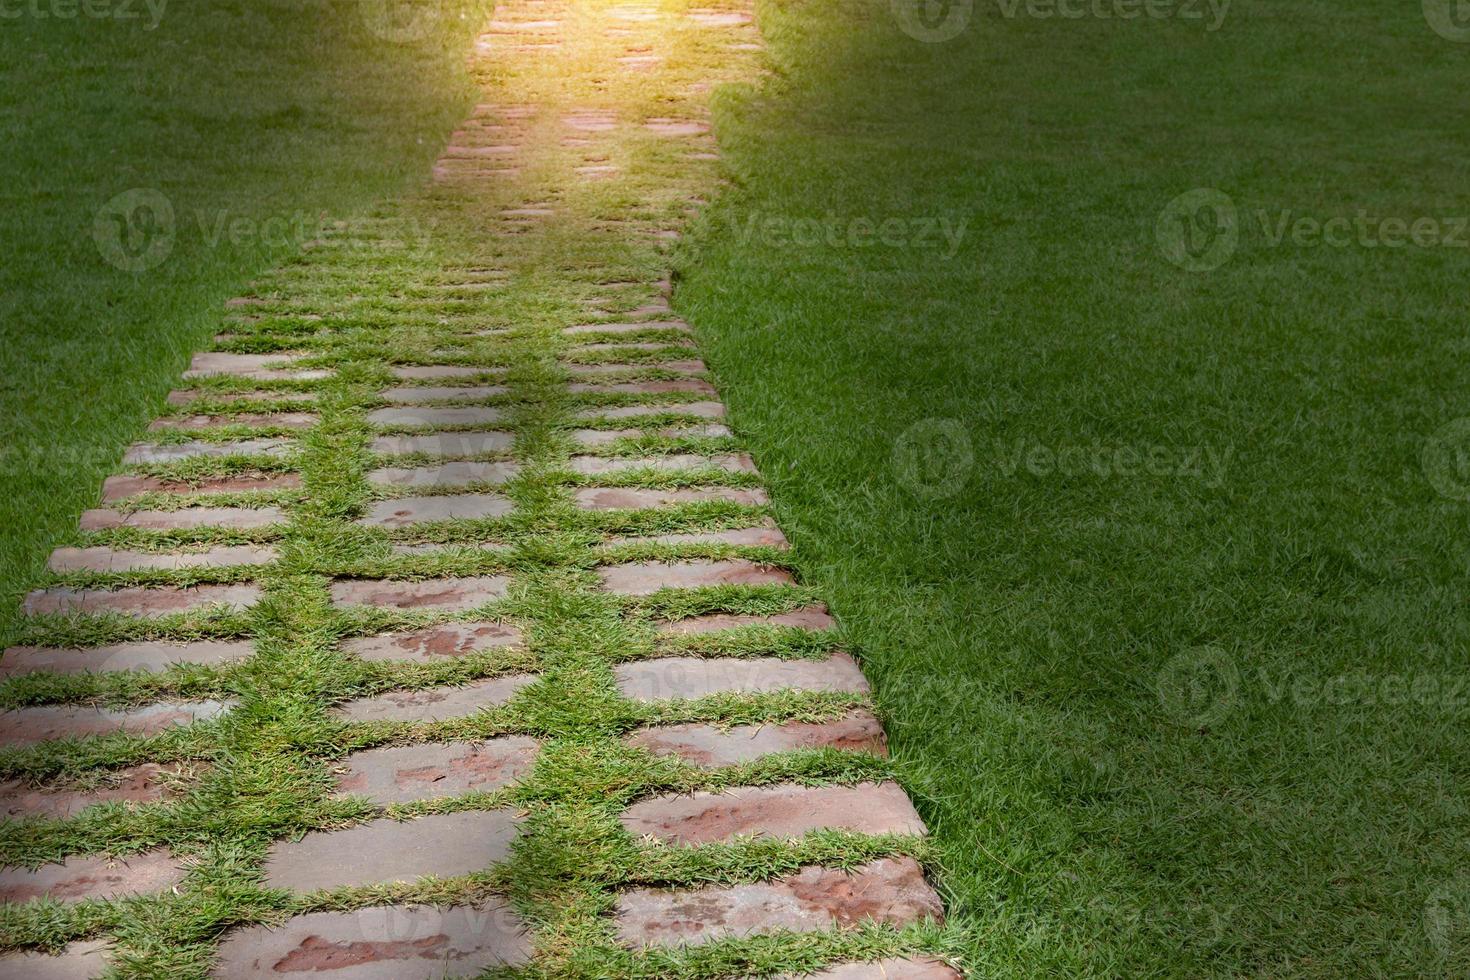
x: 1033, y: 631
x: 259, y: 121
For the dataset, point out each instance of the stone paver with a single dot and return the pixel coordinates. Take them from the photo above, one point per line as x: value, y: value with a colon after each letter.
x: 435, y: 643
x: 238, y: 518
x: 445, y: 594
x: 704, y: 410
x: 764, y: 536
x: 444, y: 444
x: 616, y: 328
x: 443, y: 475
x: 891, y: 891
x: 403, y: 418
x: 110, y: 560
x: 192, y: 396
x: 892, y: 969
x: 686, y: 365
x: 404, y: 511
x: 276, y: 420
x: 630, y: 498
x: 420, y: 395
x: 712, y: 746
x: 593, y: 438
x: 92, y: 876
x: 116, y: 488
x: 435, y: 703
x: 394, y: 942
x: 695, y: 677
x: 146, y: 602
x: 139, y: 784
x: 644, y: 387
x: 807, y: 618
x: 27, y: 726
x: 646, y: 578
x: 434, y: 372
x: 78, y: 961
x: 173, y: 452
x: 257, y: 367
x: 431, y: 770
x: 385, y: 851
x: 774, y: 811
x: 596, y: 465
x: 150, y: 655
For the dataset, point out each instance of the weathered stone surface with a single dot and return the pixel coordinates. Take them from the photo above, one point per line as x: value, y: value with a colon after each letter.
x: 891, y: 891
x: 435, y: 547
x: 767, y: 535
x: 807, y: 618
x: 435, y: 643
x: 618, y: 328
x: 384, y: 851
x: 774, y: 811
x: 603, y: 437
x: 147, y: 452
x: 894, y: 969
x: 445, y: 444
x: 432, y: 417
x: 138, y: 784
x: 682, y: 366
x: 109, y: 560
x: 444, y: 475
x: 419, y: 510
x: 152, y: 655
x: 597, y: 465
x: 258, y: 367
x: 419, y: 395
x: 435, y: 703
x: 191, y: 396
x: 432, y: 372
x: 676, y: 127
x: 27, y: 726
x: 239, y: 518
x: 449, y: 594
x: 631, y: 498
x: 429, y: 771
x: 705, y: 410
x: 80, y: 877
x: 278, y: 420
x: 712, y: 746
x: 116, y: 488
x: 645, y: 387
x: 646, y: 578
x: 156, y: 601
x: 695, y: 677
x: 78, y: 961
x: 632, y: 345
x: 395, y: 942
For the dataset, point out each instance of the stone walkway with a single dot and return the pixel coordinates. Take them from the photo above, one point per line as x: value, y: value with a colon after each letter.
x: 440, y: 625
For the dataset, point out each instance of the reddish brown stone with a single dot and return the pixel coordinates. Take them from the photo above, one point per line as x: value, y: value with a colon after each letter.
x: 116, y: 488
x: 774, y: 811
x: 140, y: 784
x: 419, y: 395
x: 429, y: 771
x: 394, y: 942
x: 646, y: 387
x: 596, y: 465
x: 435, y: 703
x: 630, y: 498
x: 404, y: 511
x: 157, y: 601
x: 258, y: 367
x: 147, y: 452
x: 646, y: 578
x: 239, y: 518
x: 705, y: 410
x: 767, y: 535
x: 27, y: 726
x: 711, y: 746
x: 149, y: 655
x: 444, y: 475
x: 891, y: 891
x: 109, y: 560
x: 444, y: 444
x: 78, y: 961
x: 80, y: 877
x: 695, y: 677
x: 807, y: 618
x: 277, y: 420
x: 431, y: 372
x: 449, y: 594
x: 436, y: 642
x: 434, y: 417
x: 384, y: 851
x: 894, y: 969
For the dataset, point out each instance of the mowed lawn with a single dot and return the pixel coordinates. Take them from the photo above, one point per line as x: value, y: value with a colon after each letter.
x: 258, y: 122
x: 1166, y: 615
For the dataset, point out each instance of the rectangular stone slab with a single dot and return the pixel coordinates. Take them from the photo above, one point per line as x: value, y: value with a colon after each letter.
x: 78, y: 961
x: 428, y: 771
x: 684, y: 366
x: 893, y: 969
x: 110, y: 560
x: 443, y: 475
x: 239, y: 518
x: 81, y: 877
x: 444, y: 444
x: 891, y: 891
x: 705, y: 410
x: 432, y: 417
x: 712, y: 746
x: 147, y: 452
x: 149, y: 602
x: 631, y: 498
x: 450, y: 594
x: 786, y: 812
x: 419, y: 395
x: 602, y: 437
x: 394, y: 942
x: 406, y: 511
x: 385, y: 851
x: 646, y: 578
x: 765, y: 536
x: 27, y: 726
x: 258, y: 367
x: 644, y: 387
x: 116, y: 488
x: 137, y: 784
x: 427, y: 372
x: 277, y: 420
x: 435, y: 703
x: 435, y: 643
x: 151, y: 655
x: 807, y: 618
x: 695, y: 677
x: 597, y: 465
